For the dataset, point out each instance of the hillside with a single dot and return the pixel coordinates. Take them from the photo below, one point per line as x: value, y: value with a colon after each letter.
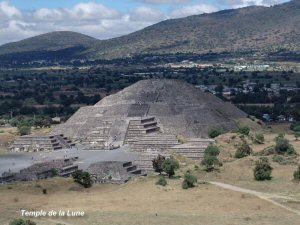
x: 49, y: 42
x: 252, y: 28
x: 255, y: 29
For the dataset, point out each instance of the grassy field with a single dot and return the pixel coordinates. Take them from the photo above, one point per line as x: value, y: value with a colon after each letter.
x: 141, y: 202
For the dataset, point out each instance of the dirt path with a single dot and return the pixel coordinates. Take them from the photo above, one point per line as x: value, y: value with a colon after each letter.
x: 261, y: 195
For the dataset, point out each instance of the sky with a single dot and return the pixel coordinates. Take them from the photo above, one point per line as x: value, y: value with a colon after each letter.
x: 102, y: 19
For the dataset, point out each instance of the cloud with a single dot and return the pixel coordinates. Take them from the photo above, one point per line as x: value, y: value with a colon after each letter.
x: 164, y: 1
x: 243, y: 3
x: 193, y: 10
x: 146, y: 14
x: 9, y: 11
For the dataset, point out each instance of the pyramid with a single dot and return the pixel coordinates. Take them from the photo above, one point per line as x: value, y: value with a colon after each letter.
x: 170, y: 107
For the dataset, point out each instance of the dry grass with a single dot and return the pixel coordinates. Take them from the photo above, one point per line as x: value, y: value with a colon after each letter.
x: 141, y: 202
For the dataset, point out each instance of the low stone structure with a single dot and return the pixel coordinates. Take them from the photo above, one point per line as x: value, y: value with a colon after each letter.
x: 113, y: 172
x: 43, y: 170
x: 36, y: 143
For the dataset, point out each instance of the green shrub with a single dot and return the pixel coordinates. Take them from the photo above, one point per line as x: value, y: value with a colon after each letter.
x: 162, y: 181
x: 243, y: 150
x: 266, y: 152
x: 283, y: 146
x: 83, y: 178
x: 21, y: 222
x: 279, y: 159
x: 214, y: 132
x: 189, y: 180
x: 24, y: 130
x: 262, y: 170
x: 212, y: 150
x: 211, y: 162
x: 244, y: 130
x: 297, y: 174
x: 157, y: 163
x: 170, y: 165
x: 259, y: 138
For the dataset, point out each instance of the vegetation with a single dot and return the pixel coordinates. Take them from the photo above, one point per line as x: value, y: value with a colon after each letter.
x: 157, y: 163
x: 24, y: 130
x: 214, y: 132
x: 189, y: 180
x: 243, y: 150
x: 283, y: 146
x: 262, y: 170
x: 162, y: 181
x: 297, y: 174
x: 83, y: 178
x: 21, y: 222
x: 210, y: 160
x: 212, y: 150
x: 169, y: 166
x: 259, y: 138
x: 244, y: 130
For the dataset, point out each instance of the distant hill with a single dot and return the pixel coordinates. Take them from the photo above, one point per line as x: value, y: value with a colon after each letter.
x: 255, y: 28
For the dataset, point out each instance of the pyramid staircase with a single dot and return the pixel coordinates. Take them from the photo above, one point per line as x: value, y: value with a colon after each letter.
x: 140, y: 127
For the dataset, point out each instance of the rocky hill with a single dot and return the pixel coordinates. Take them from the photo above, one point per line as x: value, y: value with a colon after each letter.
x: 255, y: 29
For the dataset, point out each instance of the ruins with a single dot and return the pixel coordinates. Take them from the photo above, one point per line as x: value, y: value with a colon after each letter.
x: 147, y: 116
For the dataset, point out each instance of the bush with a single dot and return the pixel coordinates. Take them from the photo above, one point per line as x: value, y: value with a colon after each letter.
x: 279, y: 159
x: 262, y: 170
x: 243, y: 150
x: 244, y: 130
x: 212, y: 150
x: 169, y: 166
x: 83, y: 178
x: 297, y: 174
x: 21, y: 222
x: 157, y: 163
x: 210, y: 162
x: 189, y: 180
x: 24, y: 130
x: 162, y: 181
x: 259, y: 138
x: 283, y: 146
x: 214, y: 132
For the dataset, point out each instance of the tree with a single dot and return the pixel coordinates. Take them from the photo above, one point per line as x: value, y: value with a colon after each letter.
x: 21, y: 222
x: 169, y: 166
x: 262, y: 170
x: 214, y: 132
x: 189, y: 180
x: 283, y: 146
x: 157, y: 163
x: 297, y: 174
x: 243, y: 150
x: 210, y: 160
x: 83, y: 178
x: 212, y: 150
x: 244, y: 130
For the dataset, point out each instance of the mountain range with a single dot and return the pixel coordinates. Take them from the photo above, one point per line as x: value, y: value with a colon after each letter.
x: 256, y: 29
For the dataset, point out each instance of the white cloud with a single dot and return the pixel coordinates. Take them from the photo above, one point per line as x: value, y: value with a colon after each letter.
x: 146, y: 14
x: 164, y: 1
x: 9, y: 11
x: 193, y: 10
x: 243, y: 3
